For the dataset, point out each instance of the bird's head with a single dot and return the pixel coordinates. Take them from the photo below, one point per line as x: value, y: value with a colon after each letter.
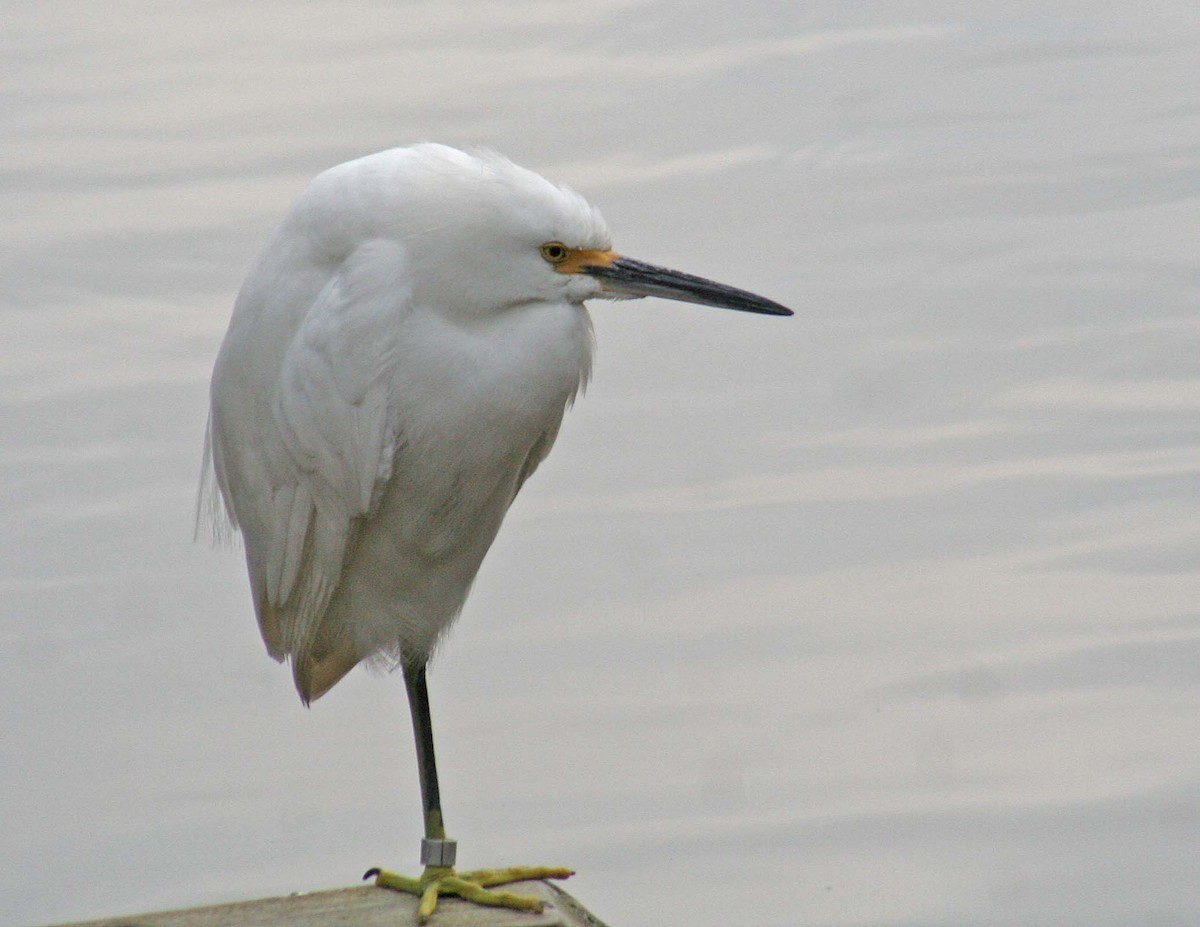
x: 484, y: 235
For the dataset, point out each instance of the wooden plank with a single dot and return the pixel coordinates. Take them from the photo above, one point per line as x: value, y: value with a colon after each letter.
x: 366, y: 906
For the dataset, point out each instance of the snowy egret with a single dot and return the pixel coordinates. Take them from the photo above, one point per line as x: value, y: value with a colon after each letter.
x: 398, y: 363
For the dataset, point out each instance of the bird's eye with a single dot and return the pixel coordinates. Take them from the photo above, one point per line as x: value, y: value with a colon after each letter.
x: 555, y: 252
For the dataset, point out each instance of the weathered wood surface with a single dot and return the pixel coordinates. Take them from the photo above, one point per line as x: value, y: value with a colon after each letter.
x: 366, y: 906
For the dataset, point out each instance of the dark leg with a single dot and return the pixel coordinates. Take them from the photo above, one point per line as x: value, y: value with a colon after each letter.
x: 418, y: 703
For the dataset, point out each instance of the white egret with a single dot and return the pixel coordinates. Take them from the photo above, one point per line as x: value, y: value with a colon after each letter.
x: 397, y: 365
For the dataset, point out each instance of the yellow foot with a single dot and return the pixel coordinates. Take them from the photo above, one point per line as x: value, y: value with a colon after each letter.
x: 471, y: 886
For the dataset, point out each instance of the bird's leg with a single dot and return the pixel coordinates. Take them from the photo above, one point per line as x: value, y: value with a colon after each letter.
x: 431, y: 799
x: 438, y: 851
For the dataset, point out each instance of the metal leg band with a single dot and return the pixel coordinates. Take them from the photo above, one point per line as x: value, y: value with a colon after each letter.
x: 438, y: 852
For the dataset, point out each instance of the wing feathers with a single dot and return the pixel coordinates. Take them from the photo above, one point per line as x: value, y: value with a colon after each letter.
x: 331, y: 432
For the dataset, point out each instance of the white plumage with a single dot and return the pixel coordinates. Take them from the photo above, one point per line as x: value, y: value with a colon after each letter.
x: 397, y: 364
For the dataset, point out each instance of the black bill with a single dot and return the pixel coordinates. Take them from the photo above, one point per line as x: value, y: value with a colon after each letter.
x: 627, y: 277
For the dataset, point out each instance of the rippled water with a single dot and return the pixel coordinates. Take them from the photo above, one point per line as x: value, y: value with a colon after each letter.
x: 885, y: 615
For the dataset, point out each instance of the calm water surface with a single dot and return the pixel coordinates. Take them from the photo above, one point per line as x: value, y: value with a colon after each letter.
x: 884, y: 615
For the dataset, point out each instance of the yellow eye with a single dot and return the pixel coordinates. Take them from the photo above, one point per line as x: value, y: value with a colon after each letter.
x: 555, y: 252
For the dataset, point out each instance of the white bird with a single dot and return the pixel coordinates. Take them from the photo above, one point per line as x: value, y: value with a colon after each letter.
x: 398, y: 363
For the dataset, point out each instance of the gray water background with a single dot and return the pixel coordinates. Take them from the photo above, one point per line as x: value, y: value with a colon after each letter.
x: 883, y: 615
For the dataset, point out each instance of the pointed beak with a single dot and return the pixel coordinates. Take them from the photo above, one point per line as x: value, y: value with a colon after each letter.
x: 622, y: 276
